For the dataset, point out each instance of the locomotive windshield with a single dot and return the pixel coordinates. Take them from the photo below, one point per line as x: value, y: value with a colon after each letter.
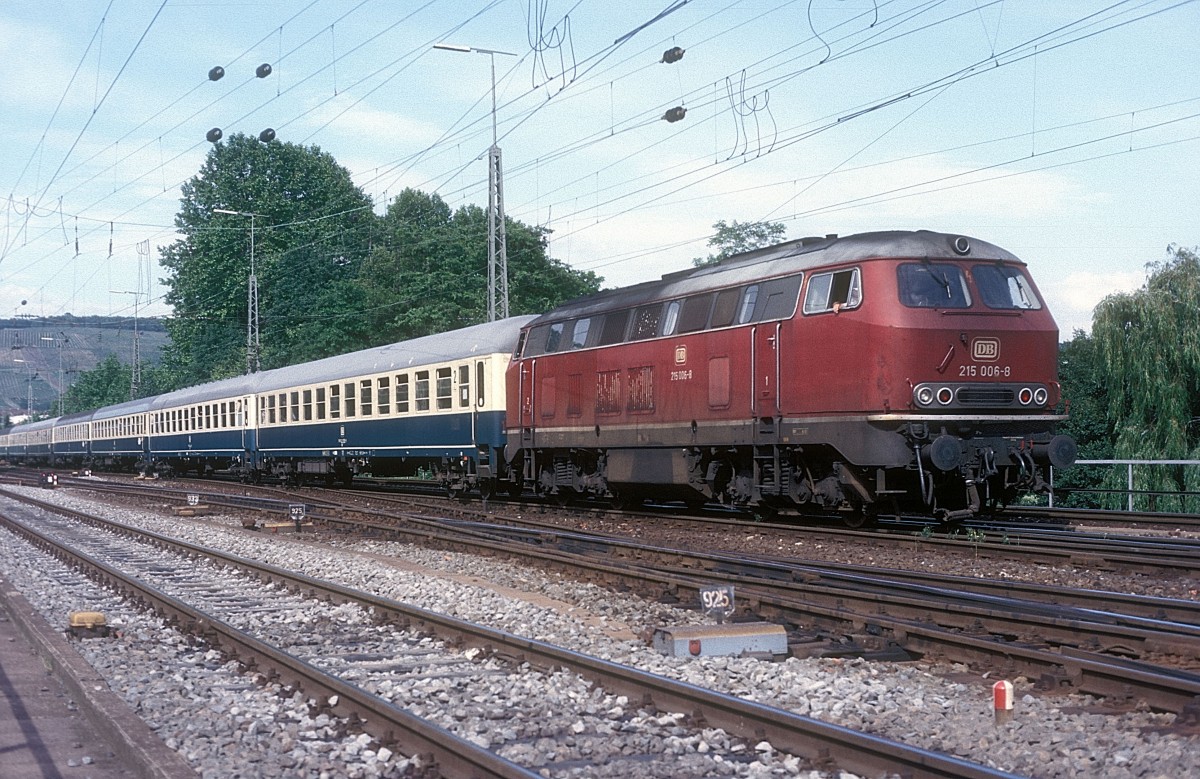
x: 932, y: 285
x: 1004, y: 287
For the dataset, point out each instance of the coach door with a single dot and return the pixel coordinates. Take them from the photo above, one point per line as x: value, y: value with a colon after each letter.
x: 765, y: 361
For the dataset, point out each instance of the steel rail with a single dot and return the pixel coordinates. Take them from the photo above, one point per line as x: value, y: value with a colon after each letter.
x: 453, y: 755
x: 569, y: 551
x: 820, y: 741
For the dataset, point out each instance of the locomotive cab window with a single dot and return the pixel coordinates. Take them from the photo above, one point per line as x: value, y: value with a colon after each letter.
x: 554, y: 338
x: 1004, y: 287
x: 695, y: 313
x: 579, y: 337
x: 835, y: 291
x: 748, y: 302
x: 645, y: 322
x: 932, y: 285
x: 725, y: 309
x: 614, y: 328
x: 776, y: 299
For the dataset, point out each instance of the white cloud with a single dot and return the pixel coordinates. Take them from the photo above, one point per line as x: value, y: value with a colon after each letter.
x: 1073, y: 297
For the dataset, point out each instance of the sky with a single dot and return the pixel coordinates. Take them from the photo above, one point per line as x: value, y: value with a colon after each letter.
x: 1067, y: 132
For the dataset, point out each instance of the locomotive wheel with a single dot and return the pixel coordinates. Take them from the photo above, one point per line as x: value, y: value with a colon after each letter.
x: 861, y: 517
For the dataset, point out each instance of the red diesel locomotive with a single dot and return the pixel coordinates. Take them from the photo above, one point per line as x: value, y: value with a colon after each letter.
x: 904, y: 371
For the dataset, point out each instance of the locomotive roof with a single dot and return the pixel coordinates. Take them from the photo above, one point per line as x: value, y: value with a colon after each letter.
x: 487, y: 338
x: 782, y: 259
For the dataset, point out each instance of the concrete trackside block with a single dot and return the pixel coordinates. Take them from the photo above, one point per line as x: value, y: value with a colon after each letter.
x: 744, y: 638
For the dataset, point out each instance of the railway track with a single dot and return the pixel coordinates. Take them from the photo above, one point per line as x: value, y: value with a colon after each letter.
x: 197, y: 587
x: 1081, y: 639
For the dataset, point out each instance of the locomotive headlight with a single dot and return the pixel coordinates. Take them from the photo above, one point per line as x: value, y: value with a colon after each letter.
x: 1040, y: 396
x: 945, y: 395
x: 1025, y: 396
x: 925, y: 396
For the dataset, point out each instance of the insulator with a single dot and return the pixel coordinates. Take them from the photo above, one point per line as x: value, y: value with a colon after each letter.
x: 263, y: 70
x: 675, y: 114
x: 267, y: 135
x: 673, y: 54
x: 214, y: 135
x: 216, y: 74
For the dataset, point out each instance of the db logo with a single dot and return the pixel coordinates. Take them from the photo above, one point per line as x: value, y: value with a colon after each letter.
x: 986, y: 349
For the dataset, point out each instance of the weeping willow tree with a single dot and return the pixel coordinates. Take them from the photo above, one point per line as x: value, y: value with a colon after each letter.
x: 1149, y: 342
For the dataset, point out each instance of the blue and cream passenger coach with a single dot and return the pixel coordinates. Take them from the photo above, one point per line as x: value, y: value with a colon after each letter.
x: 432, y: 405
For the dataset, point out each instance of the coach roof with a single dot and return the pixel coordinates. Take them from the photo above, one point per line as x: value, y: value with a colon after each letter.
x: 487, y: 338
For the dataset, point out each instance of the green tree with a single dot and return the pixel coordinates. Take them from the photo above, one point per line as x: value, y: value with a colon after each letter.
x: 737, y: 237
x: 428, y: 272
x: 1149, y: 346
x: 108, y: 384
x: 1085, y: 399
x: 311, y: 229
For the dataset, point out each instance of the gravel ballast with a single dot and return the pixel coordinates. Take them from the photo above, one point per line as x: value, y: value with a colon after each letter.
x: 1059, y: 736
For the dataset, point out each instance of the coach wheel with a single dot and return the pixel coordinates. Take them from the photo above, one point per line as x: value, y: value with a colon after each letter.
x: 456, y: 492
x: 487, y: 488
x: 515, y: 487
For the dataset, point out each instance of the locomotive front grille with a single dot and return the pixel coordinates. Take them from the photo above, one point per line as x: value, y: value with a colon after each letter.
x: 985, y: 396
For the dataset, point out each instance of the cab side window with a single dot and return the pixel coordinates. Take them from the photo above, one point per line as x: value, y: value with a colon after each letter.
x: 836, y: 291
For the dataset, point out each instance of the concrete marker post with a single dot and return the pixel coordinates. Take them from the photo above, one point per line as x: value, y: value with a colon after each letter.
x: 1002, y: 701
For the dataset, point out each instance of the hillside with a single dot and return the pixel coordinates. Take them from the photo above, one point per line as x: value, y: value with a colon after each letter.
x: 53, y: 351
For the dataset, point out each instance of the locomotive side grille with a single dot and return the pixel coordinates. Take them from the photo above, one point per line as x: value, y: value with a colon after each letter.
x: 986, y: 396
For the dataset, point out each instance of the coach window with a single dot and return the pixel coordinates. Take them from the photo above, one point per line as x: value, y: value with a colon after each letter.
x: 320, y: 403
x: 308, y: 408
x: 479, y: 383
x: 614, y: 328
x: 402, y: 393
x: 240, y: 418
x: 383, y: 399
x: 348, y: 399
x: 464, y: 385
x: 422, y: 390
x: 270, y: 409
x: 836, y: 291
x: 748, y: 302
x: 695, y: 313
x: 364, y: 397
x: 294, y: 405
x: 445, y: 392
x: 335, y: 401
x: 645, y: 322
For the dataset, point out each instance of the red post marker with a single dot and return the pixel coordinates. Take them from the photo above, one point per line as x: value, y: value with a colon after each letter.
x: 1002, y: 701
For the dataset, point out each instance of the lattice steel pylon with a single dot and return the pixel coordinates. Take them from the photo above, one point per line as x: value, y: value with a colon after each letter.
x: 497, y: 239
